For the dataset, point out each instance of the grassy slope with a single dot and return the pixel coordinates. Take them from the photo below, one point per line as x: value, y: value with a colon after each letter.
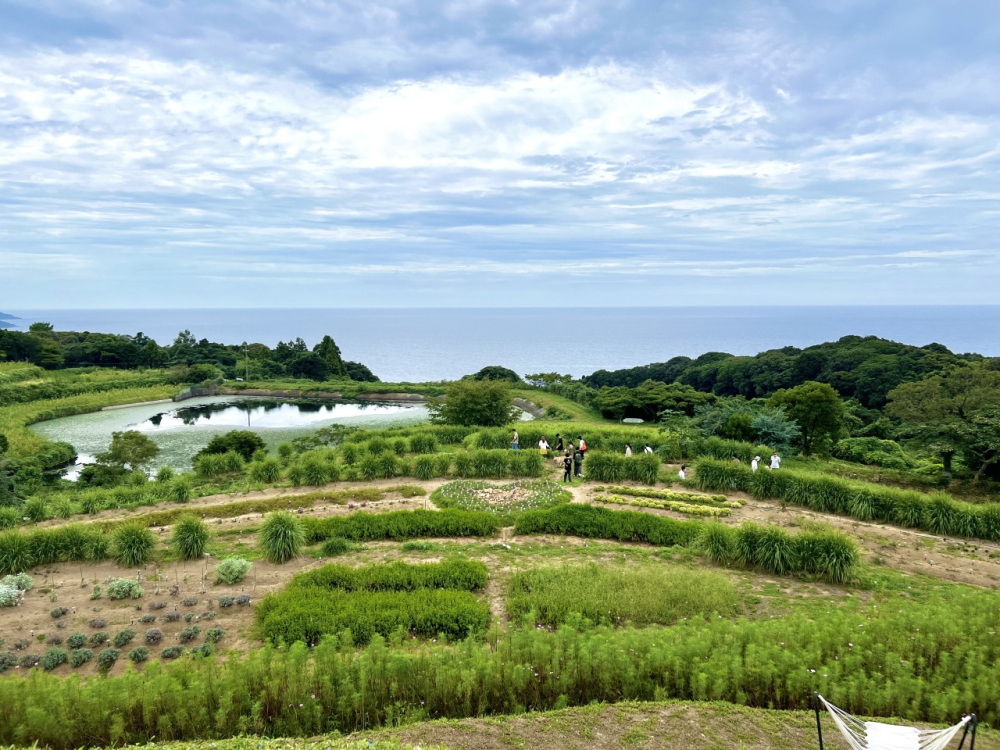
x: 578, y: 412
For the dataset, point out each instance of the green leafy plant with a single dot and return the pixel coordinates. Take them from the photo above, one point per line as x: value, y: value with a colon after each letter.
x: 132, y: 545
x: 232, y: 570
x: 124, y: 588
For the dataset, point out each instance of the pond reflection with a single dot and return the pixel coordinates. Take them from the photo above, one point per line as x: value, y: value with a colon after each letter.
x: 265, y: 414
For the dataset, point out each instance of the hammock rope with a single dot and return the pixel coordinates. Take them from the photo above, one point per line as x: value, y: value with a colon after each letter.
x: 872, y: 735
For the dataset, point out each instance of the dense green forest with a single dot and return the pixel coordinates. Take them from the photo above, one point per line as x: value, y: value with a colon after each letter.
x: 196, y: 359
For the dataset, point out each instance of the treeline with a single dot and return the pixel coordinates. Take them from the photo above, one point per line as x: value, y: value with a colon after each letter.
x: 53, y: 350
x: 864, y: 368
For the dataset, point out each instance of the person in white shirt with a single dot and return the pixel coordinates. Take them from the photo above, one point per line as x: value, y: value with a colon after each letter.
x: 647, y: 449
x: 681, y: 472
x: 775, y: 461
x: 628, y: 449
x: 543, y: 446
x: 754, y: 464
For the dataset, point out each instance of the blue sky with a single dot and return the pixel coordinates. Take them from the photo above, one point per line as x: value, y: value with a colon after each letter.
x: 302, y: 153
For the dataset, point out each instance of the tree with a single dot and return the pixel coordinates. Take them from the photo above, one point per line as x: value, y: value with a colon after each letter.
x: 182, y: 350
x: 485, y: 403
x: 357, y: 371
x: 981, y: 441
x: 309, y: 365
x: 938, y: 411
x: 495, y: 372
x: 816, y: 408
x: 129, y: 450
x: 328, y: 350
x: 244, y: 442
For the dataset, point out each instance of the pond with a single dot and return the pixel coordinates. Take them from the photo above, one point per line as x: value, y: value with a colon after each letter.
x: 181, y: 430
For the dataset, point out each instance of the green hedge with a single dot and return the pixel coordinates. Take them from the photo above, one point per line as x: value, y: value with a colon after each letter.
x: 401, y: 524
x: 600, y: 523
x: 460, y: 575
x: 937, y: 513
x: 613, y: 467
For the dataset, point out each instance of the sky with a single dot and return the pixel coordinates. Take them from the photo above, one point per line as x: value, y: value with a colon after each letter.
x: 430, y: 153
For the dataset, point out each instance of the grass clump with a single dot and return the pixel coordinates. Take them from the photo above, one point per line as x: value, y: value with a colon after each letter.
x: 281, y: 537
x: 402, y: 525
x: 600, y: 523
x: 335, y: 546
x: 190, y: 537
x: 613, y: 596
x: 132, y: 545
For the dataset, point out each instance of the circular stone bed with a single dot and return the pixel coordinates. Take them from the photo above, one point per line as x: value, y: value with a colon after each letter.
x: 504, y: 500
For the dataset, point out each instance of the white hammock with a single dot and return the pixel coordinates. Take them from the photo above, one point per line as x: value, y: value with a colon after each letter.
x: 872, y: 735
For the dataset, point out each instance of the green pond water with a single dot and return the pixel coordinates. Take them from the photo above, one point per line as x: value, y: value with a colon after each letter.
x: 184, y: 428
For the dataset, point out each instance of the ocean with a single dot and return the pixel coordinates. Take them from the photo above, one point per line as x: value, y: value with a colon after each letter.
x: 419, y: 345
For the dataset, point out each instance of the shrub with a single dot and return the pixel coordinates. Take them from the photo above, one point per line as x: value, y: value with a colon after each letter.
x: 77, y: 640
x: 9, y: 518
x: 190, y: 537
x: 189, y: 601
x: 611, y: 467
x: 232, y: 570
x: 98, y: 639
x: 55, y: 639
x: 242, y: 600
x: 124, y: 638
x: 178, y: 490
x: 20, y: 581
x: 28, y: 661
x: 204, y: 650
x: 154, y: 636
x: 189, y: 634
x: 173, y: 616
x: 53, y: 658
x: 164, y: 473
x: 214, y: 635
x: 98, y: 622
x: 335, y: 546
x: 107, y: 658
x: 172, y: 652
x: 209, y: 615
x: 10, y: 596
x: 872, y: 451
x: 58, y: 612
x: 139, y: 654
x: 227, y: 601
x: 80, y: 656
x: 425, y: 467
x: 146, y: 619
x: 281, y: 537
x: 124, y: 588
x: 8, y: 659
x: 132, y: 545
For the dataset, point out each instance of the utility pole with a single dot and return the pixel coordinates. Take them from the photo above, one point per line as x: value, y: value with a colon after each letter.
x: 246, y: 360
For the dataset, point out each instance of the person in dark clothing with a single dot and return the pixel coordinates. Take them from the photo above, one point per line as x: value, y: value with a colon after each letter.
x: 559, y: 443
x: 567, y: 467
x: 578, y: 460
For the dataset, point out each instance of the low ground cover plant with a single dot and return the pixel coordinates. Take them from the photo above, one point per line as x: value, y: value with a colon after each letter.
x: 936, y: 512
x: 644, y: 595
x: 504, y: 501
x: 684, y: 497
x: 124, y: 588
x: 600, y: 523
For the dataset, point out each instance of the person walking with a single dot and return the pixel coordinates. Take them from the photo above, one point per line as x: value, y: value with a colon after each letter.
x: 514, y: 441
x: 775, y: 461
x: 647, y: 449
x: 543, y: 446
x: 578, y: 461
x: 754, y: 464
x: 681, y: 473
x: 559, y: 443
x: 567, y: 467
x: 628, y: 450
x: 582, y: 446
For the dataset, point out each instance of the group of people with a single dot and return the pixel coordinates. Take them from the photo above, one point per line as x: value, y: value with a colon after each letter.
x: 755, y: 462
x: 570, y: 455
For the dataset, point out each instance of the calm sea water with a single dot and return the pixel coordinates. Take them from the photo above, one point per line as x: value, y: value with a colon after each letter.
x: 434, y: 344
